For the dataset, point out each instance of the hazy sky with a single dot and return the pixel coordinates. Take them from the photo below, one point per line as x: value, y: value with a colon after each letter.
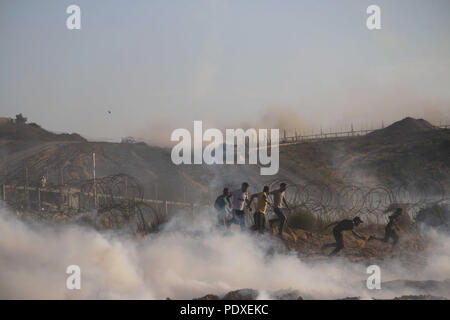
x: 159, y: 64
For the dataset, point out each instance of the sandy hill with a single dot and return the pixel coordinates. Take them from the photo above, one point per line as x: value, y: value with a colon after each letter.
x: 406, y: 126
x: 416, y: 150
x: 407, y: 150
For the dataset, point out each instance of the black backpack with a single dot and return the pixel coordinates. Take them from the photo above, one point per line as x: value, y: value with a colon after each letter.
x: 219, y: 204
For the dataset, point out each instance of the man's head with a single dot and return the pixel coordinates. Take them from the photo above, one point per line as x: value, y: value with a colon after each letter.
x: 244, y: 186
x: 226, y: 192
x: 266, y: 189
x: 357, y: 221
x: 283, y: 186
x: 398, y: 211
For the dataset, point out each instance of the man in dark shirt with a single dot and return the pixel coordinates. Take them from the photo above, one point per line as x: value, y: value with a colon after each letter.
x: 391, y: 228
x: 223, y: 207
x: 344, y: 225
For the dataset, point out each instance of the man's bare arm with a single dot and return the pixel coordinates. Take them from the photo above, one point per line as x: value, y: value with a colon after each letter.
x: 358, y: 235
x: 251, y: 200
x: 331, y: 224
x: 286, y: 204
x: 267, y: 201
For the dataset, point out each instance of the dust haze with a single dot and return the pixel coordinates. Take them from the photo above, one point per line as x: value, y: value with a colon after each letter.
x: 284, y: 118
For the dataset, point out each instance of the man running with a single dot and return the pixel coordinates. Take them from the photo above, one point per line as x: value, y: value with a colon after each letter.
x: 223, y: 207
x: 341, y: 226
x: 278, y: 201
x: 391, y: 228
x: 240, y: 198
x: 261, y: 207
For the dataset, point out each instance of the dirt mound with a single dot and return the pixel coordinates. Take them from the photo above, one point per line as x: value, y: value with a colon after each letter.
x: 422, y: 292
x: 208, y: 297
x: 420, y: 297
x: 251, y: 294
x: 242, y: 294
x: 406, y: 126
x: 419, y: 289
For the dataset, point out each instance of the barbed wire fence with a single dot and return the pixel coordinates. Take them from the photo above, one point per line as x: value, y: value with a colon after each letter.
x: 119, y: 199
x: 333, y: 202
x: 114, y: 200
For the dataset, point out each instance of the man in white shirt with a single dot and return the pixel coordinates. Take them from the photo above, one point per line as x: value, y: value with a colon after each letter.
x: 240, y: 199
x: 278, y: 201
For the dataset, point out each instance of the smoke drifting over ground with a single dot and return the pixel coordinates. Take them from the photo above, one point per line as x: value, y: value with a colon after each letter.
x: 283, y: 118
x: 187, y: 259
x: 158, y: 131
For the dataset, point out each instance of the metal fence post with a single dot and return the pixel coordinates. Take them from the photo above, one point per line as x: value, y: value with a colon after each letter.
x: 166, y: 208
x: 39, y: 198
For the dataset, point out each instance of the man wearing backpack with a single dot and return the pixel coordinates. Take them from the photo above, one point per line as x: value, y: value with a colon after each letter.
x: 223, y: 207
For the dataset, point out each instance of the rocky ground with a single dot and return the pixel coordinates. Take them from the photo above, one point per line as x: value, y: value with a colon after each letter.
x: 250, y: 294
x: 309, y: 245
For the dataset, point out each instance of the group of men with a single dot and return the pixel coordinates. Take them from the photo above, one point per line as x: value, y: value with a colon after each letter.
x: 231, y: 206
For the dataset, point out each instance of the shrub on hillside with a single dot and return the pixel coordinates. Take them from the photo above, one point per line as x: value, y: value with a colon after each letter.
x: 302, y: 219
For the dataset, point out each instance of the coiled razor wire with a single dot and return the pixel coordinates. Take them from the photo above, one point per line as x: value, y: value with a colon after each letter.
x: 121, y: 198
x: 337, y: 201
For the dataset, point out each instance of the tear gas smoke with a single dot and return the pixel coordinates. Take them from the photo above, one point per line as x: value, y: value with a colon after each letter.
x: 188, y: 258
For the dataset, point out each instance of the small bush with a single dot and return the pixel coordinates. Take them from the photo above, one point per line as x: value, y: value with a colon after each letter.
x: 302, y: 219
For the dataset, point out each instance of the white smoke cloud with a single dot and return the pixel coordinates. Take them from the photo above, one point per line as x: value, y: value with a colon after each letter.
x: 188, y: 259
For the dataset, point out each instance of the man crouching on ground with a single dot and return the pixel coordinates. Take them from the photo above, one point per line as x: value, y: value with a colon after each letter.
x: 341, y: 226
